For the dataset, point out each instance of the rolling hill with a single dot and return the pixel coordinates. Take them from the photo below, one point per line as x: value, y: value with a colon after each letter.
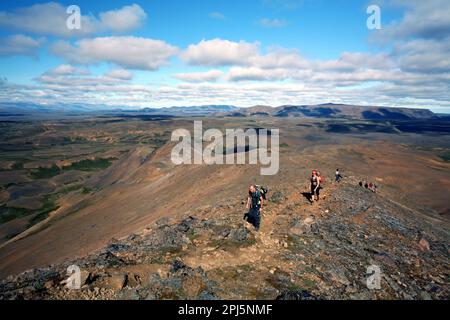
x: 337, y: 111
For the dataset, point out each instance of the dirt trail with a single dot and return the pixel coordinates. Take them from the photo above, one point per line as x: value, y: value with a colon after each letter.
x: 268, y: 244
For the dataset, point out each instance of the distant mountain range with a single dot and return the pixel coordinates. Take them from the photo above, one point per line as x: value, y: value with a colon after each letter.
x: 200, y: 110
x: 27, y: 108
x: 331, y: 110
x: 328, y: 110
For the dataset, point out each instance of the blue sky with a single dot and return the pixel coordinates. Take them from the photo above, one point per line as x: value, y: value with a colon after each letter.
x: 248, y: 52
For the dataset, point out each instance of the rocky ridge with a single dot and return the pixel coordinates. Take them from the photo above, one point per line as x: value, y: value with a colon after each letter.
x: 303, y: 252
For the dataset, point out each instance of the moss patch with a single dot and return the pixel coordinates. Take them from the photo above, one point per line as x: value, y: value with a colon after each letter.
x: 83, y: 165
x: 445, y: 156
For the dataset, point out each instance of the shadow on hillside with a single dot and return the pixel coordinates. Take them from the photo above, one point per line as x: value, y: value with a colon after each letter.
x: 307, y: 195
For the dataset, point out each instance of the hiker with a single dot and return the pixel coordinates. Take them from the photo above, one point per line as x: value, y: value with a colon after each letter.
x: 254, y: 205
x: 321, y: 179
x: 315, y: 186
x: 372, y: 187
x: 338, y: 176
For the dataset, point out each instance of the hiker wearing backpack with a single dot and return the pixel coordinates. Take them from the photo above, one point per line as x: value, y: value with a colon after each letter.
x: 255, y: 200
x: 321, y: 179
x: 315, y: 186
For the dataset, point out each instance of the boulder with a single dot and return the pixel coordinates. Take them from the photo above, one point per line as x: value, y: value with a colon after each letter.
x: 239, y: 235
x: 166, y: 237
x: 131, y: 294
x: 277, y: 197
x: 114, y: 282
x: 193, y: 285
x: 301, y: 227
x: 108, y: 259
x: 186, y: 224
x: 279, y: 279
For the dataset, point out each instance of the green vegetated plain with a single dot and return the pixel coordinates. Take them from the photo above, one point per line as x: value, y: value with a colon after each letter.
x: 86, y: 147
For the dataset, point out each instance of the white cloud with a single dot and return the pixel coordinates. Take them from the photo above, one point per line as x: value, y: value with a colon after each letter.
x: 351, y: 61
x: 20, y: 45
x: 126, y: 19
x: 127, y: 52
x: 279, y: 58
x: 258, y: 74
x: 121, y: 74
x: 64, y: 69
x: 282, y: 64
x: 420, y: 40
x: 217, y: 15
x: 67, y: 69
x: 423, y: 56
x: 423, y: 19
x: 64, y: 77
x: 211, y: 75
x: 50, y: 19
x: 218, y: 52
x: 413, y: 71
x: 115, y: 92
x: 272, y: 23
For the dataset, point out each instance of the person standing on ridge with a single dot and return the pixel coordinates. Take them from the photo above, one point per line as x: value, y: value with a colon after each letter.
x: 338, y: 176
x: 315, y: 186
x: 254, y: 205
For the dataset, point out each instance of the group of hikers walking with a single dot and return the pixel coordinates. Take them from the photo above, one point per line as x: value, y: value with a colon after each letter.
x: 369, y: 186
x: 257, y: 196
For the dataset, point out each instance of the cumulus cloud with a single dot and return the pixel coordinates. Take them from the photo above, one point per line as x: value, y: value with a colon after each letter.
x: 351, y: 61
x: 68, y: 78
x: 279, y: 58
x: 281, y: 64
x: 50, y: 19
x: 126, y: 19
x: 20, y: 45
x: 258, y: 74
x: 218, y: 52
x: 112, y: 88
x: 422, y: 19
x: 420, y: 39
x: 211, y: 75
x: 127, y: 52
x: 413, y: 71
x: 67, y: 69
x: 114, y: 92
x: 272, y: 23
x: 423, y: 56
x: 121, y: 74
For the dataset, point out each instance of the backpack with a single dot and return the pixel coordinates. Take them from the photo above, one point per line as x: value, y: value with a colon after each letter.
x: 262, y: 191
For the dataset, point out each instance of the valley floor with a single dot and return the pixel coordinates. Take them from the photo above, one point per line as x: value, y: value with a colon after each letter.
x: 74, y: 186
